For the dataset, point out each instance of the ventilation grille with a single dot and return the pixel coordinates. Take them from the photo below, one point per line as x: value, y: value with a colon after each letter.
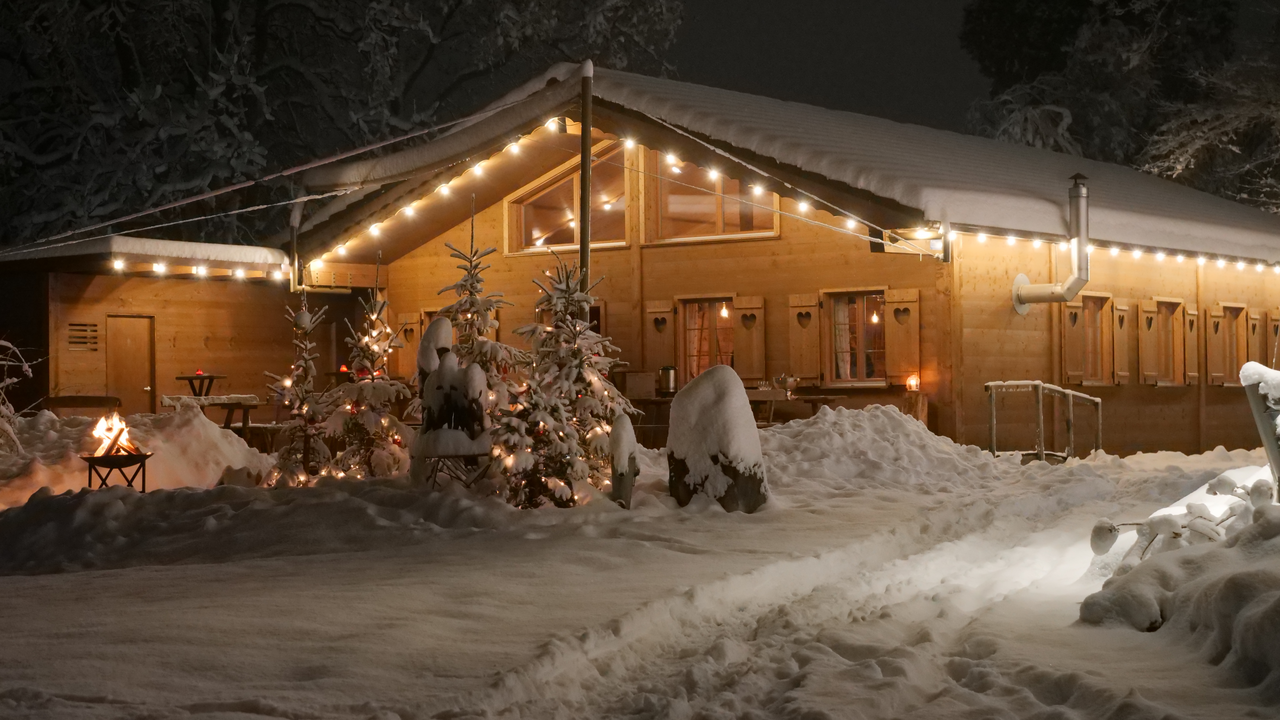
x: 82, y: 337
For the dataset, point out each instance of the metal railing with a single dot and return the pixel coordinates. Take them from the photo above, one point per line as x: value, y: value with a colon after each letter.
x: 1040, y: 389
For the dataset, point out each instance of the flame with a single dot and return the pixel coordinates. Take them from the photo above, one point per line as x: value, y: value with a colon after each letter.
x: 107, y: 430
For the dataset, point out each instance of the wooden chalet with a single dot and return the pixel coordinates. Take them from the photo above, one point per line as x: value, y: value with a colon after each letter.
x: 779, y: 238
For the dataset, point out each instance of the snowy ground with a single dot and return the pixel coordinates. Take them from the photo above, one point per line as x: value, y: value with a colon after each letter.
x: 893, y: 575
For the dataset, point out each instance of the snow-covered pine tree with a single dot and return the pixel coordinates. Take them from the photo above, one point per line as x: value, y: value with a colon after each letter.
x: 13, y: 369
x: 360, y: 410
x: 557, y: 430
x: 301, y: 452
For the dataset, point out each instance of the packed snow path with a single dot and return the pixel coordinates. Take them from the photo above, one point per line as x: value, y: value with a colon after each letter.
x: 894, y: 574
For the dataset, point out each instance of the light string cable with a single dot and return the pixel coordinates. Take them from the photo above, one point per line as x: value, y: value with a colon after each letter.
x: 280, y: 174
x: 737, y: 198
x: 29, y: 247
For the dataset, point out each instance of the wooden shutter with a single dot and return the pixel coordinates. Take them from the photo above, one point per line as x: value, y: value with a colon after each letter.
x: 1073, y: 342
x: 1273, y: 332
x: 1122, y: 314
x: 1148, y: 343
x: 1257, y: 329
x: 659, y: 334
x: 901, y: 335
x: 804, y: 322
x: 1215, y: 345
x: 1191, y: 341
x: 1175, y: 342
x: 748, y: 338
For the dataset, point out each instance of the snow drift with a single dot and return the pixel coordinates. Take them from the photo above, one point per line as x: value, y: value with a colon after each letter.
x: 189, y: 451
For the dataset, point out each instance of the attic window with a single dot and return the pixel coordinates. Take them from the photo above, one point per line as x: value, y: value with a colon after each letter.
x: 695, y: 202
x: 82, y: 337
x: 546, y: 215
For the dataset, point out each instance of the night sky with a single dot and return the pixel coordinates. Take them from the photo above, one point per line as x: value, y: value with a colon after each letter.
x: 899, y: 59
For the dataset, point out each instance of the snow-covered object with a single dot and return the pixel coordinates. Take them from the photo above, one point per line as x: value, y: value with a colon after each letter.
x: 437, y: 339
x: 454, y: 421
x: 189, y: 450
x: 713, y: 445
x: 1103, y: 536
x: 1267, y: 380
x: 625, y: 460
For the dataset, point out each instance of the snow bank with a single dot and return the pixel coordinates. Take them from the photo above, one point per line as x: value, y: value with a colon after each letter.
x: 189, y: 451
x: 713, y: 442
x: 118, y: 526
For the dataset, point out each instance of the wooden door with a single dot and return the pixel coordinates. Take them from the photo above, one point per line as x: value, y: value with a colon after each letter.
x: 131, y: 363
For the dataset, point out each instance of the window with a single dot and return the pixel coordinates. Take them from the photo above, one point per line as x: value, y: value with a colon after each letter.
x: 857, y: 337
x: 547, y: 215
x: 695, y: 202
x: 706, y: 335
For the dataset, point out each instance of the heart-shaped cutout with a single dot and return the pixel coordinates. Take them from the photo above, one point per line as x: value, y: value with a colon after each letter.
x: 660, y: 323
x: 1215, y: 327
x: 1073, y: 317
x: 1253, y: 329
x: 748, y: 320
x: 1122, y: 322
x: 902, y: 315
x: 804, y: 317
x: 1150, y: 322
x: 1191, y: 325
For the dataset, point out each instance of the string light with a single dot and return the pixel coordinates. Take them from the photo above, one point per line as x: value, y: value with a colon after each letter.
x: 757, y: 190
x: 724, y: 310
x: 341, y: 249
x: 1090, y: 248
x: 952, y: 235
x: 1181, y: 258
x: 159, y: 267
x: 550, y: 124
x: 1115, y: 251
x: 628, y: 143
x: 201, y: 271
x: 982, y: 238
x: 1221, y: 264
x: 1036, y: 243
x: 1010, y: 240
x: 478, y: 170
x: 713, y: 174
x: 1276, y: 269
x: 922, y: 233
x: 407, y: 210
x: 1240, y: 265
x: 1137, y: 254
x: 513, y: 148
x: 1159, y: 257
x: 804, y: 206
x: 672, y: 159
x: 1258, y: 267
x: 117, y: 264
x: 375, y: 229
x: 239, y: 272
x: 317, y: 263
x: 277, y: 275
x: 444, y: 189
x: 1062, y: 245
x: 1200, y: 260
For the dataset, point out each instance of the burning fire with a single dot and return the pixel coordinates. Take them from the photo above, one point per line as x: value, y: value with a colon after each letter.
x: 114, y: 435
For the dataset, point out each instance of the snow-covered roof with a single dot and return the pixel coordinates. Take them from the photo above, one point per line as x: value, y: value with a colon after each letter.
x: 149, y: 249
x: 963, y: 179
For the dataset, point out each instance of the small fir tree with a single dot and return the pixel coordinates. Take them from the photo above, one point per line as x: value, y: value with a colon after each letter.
x: 557, y: 430
x: 360, y: 410
x: 302, y: 452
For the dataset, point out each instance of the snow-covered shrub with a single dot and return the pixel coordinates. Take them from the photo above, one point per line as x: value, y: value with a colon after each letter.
x: 360, y: 410
x: 713, y: 446
x: 13, y: 368
x: 624, y: 454
x: 301, y: 451
x: 455, y: 421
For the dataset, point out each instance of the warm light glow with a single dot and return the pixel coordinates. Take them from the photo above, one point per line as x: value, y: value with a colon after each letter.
x: 1200, y: 261
x: 114, y: 435
x: 1240, y: 265
x: 375, y: 230
x: 1137, y: 254
x: 118, y: 264
x: 239, y: 272
x: 341, y: 249
x: 850, y: 223
x: 923, y: 233
x: 1036, y: 243
x: 513, y: 148
x: 804, y: 206
x: 444, y: 189
x: 672, y: 159
x: 913, y: 382
x: 159, y: 267
x: 608, y: 206
x: 1062, y: 245
x: 479, y: 170
x: 724, y: 310
x: 202, y: 271
x: 713, y: 174
x: 551, y: 124
x: 1089, y: 249
x: 317, y: 263
x: 757, y: 190
x: 1115, y: 251
x: 1181, y: 258
x: 1276, y: 269
x: 1160, y: 257
x: 1010, y: 240
x: 1258, y: 267
x: 952, y: 235
x: 573, y: 224
x: 874, y: 317
x: 538, y: 242
x: 1222, y: 263
x: 287, y: 382
x: 407, y: 210
x: 628, y: 143
x: 277, y: 275
x: 982, y: 237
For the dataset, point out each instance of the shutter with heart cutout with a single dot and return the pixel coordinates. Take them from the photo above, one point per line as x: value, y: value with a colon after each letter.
x: 659, y: 334
x: 1191, y: 342
x: 1215, y: 345
x: 748, y: 338
x: 1073, y: 342
x: 1148, y: 343
x: 804, y: 335
x: 902, y: 335
x: 1122, y: 319
x: 1257, y: 329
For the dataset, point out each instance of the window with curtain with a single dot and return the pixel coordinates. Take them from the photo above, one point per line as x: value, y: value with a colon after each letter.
x: 696, y: 202
x: 547, y: 216
x: 707, y: 334
x: 857, y: 336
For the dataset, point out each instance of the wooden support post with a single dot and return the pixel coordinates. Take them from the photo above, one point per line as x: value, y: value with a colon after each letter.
x: 584, y: 195
x: 991, y: 418
x: 1071, y: 425
x: 1040, y: 422
x: 1097, y: 441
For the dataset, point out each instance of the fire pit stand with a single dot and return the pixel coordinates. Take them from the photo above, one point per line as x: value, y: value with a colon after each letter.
x: 117, y: 463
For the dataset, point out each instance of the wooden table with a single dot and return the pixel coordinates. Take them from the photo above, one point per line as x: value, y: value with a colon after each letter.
x: 232, y: 407
x: 201, y: 384
x: 768, y: 398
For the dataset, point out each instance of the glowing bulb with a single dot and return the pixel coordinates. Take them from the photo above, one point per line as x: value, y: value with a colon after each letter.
x: 1258, y: 267
x: 850, y: 223
x: 713, y: 174
x: 1137, y: 254
x: 287, y: 382
x: 1240, y: 265
x: 1160, y: 257
x: 874, y: 317
x: 628, y: 143
x: 513, y: 148
x: 444, y: 189
x: 1115, y: 251
x: 550, y: 124
x: 1010, y: 240
x: 239, y: 272
x: 1181, y: 258
x: 672, y: 159
x: 982, y: 238
x: 277, y: 275
x: 478, y: 170
x: 952, y: 235
x: 375, y: 230
x: 608, y: 206
x: 317, y: 263
x: 1276, y: 269
x: 539, y: 241
x: 202, y: 271
x: 341, y: 249
x: 923, y: 233
x: 1222, y: 263
x: 724, y: 310
x: 1089, y: 249
x: 1036, y: 243
x: 407, y: 210
x: 573, y: 224
x: 117, y: 264
x: 159, y: 267
x: 1062, y: 245
x: 804, y: 206
x: 757, y: 190
x: 1199, y: 261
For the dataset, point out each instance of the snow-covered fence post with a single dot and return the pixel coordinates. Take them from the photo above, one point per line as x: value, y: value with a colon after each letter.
x: 625, y: 461
x: 713, y: 446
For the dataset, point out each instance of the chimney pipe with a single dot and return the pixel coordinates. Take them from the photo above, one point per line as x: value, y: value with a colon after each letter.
x: 1025, y: 294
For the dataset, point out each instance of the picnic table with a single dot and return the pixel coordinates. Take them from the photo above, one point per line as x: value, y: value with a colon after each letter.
x: 230, y: 403
x: 201, y: 383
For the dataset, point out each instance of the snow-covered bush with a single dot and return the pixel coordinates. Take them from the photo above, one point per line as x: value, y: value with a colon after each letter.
x: 360, y: 410
x: 713, y: 446
x: 13, y: 369
x: 301, y: 451
x: 455, y: 420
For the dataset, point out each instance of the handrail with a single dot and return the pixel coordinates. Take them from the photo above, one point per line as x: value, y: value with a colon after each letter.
x: 1040, y: 388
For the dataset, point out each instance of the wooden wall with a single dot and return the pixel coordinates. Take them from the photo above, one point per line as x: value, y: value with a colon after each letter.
x: 237, y: 329
x: 25, y: 324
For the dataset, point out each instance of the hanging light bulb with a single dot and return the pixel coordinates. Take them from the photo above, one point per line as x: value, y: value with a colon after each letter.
x: 1062, y: 245
x: 672, y: 159
x: 407, y: 210
x: 341, y: 249
x: 1137, y: 254
x: 159, y: 268
x: 875, y: 318
x: 1036, y: 243
x: 444, y: 189
x: 724, y: 310
x: 1010, y: 240
x: 1200, y: 261
x: 923, y: 233
x: 850, y: 223
x: 713, y: 174
x: 757, y: 190
x: 1221, y: 263
x: 202, y: 271
x: 1258, y: 267
x: 375, y: 229
x: 1240, y: 265
x: 513, y: 148
x: 1160, y: 257
x: 804, y: 206
x: 117, y: 264
x: 982, y: 238
x: 628, y: 143
x: 1115, y: 251
x: 239, y: 273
